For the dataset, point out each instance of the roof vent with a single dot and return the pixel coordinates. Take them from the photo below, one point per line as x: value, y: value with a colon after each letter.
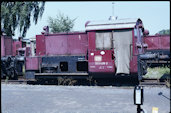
x: 113, y: 18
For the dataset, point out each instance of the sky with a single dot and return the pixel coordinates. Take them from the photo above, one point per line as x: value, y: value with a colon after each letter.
x: 155, y: 14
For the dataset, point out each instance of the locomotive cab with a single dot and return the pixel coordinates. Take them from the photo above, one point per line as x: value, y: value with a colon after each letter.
x: 114, y: 46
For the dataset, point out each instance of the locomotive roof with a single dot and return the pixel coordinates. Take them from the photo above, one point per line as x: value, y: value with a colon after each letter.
x: 112, y: 24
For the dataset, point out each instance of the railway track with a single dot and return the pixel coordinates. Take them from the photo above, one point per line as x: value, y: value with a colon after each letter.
x: 19, y: 81
x: 144, y: 82
x: 152, y: 82
x: 14, y: 81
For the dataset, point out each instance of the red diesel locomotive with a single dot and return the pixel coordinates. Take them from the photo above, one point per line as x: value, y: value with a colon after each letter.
x: 106, y: 49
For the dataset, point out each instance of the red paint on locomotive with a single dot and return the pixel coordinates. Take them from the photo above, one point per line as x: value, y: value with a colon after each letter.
x: 2, y: 46
x: 16, y: 46
x: 32, y: 63
x: 6, y: 45
x: 61, y: 44
x: 158, y: 42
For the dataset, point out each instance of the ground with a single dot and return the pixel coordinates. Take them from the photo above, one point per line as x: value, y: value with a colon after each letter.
x: 79, y: 99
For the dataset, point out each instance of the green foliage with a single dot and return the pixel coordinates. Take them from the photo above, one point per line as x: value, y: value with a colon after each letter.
x: 164, y: 32
x: 61, y: 24
x: 18, y: 15
x: 6, y: 80
x: 158, y: 72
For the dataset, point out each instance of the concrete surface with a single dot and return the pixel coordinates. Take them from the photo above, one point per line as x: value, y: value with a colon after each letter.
x: 79, y: 99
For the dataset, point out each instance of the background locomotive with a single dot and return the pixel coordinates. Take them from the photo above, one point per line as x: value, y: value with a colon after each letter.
x: 13, y: 53
x: 159, y: 46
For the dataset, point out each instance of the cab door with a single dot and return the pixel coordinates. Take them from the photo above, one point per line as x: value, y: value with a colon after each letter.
x: 122, y: 44
x: 100, y: 57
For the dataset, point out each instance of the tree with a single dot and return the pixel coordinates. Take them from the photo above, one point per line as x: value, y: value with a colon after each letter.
x: 164, y: 32
x: 18, y: 15
x: 61, y: 24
